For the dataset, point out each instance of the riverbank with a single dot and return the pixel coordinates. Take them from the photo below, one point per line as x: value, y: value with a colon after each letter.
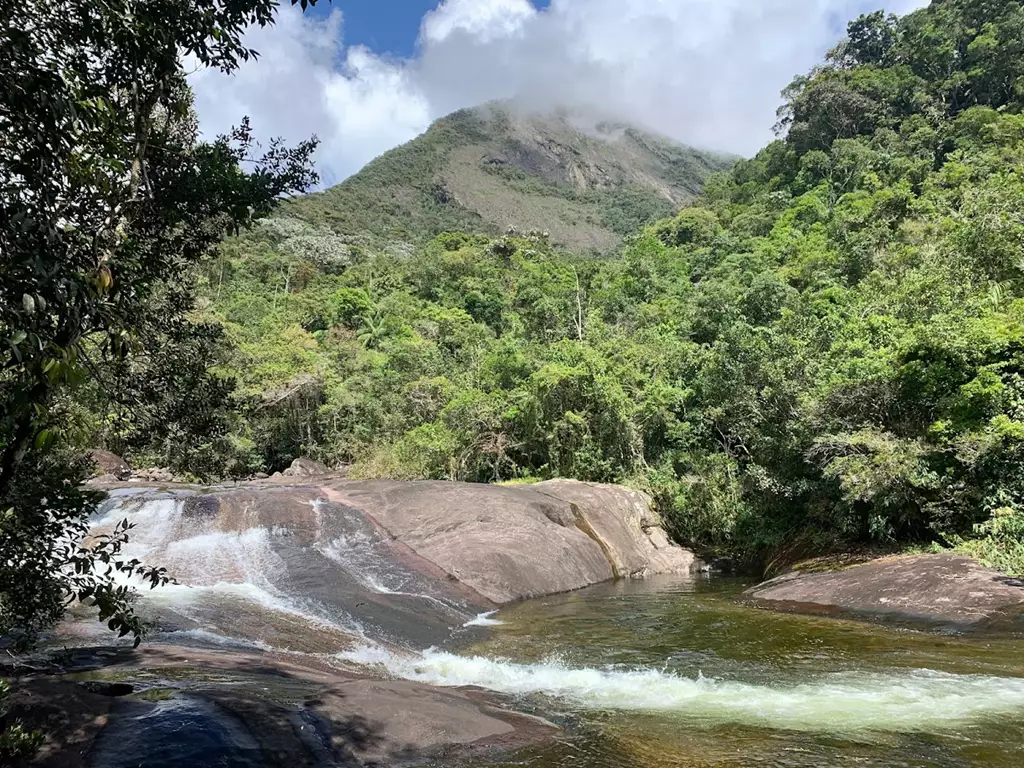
x: 280, y: 583
x: 665, y: 672
x: 320, y: 621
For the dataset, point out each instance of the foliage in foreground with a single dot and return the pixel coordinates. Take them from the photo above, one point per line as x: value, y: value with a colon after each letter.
x: 827, y: 349
x: 16, y: 742
x: 107, y: 201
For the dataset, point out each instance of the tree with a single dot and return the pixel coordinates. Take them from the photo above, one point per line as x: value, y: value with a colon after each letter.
x: 869, y: 41
x: 107, y: 201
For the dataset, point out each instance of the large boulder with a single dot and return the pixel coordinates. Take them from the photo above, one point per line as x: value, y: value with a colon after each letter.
x: 110, y: 464
x: 511, y: 543
x: 942, y: 589
x: 303, y: 467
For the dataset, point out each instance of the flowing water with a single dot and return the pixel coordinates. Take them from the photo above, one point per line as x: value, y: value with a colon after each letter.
x: 657, y: 673
x: 671, y: 672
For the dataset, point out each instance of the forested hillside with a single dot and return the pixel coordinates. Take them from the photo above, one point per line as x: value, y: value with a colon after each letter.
x: 585, y: 181
x: 825, y: 350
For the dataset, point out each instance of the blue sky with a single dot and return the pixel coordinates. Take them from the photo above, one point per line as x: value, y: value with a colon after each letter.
x: 368, y: 75
x: 389, y: 27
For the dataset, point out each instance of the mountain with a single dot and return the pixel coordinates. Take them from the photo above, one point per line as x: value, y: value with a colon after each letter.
x: 586, y: 183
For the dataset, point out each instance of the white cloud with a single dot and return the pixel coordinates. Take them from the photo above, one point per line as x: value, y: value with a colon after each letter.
x: 480, y: 20
x: 705, y: 72
x: 305, y: 82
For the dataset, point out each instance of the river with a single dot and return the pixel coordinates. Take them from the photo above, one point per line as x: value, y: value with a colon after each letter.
x: 669, y: 671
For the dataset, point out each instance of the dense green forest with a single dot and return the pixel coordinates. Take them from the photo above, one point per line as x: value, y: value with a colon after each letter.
x: 826, y: 350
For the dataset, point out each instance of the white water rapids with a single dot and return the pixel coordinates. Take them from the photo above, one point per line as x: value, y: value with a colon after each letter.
x: 915, y: 701
x: 245, y: 570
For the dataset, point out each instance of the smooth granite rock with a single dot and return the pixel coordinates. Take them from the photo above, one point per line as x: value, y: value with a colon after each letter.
x: 510, y: 543
x: 258, y: 711
x: 110, y: 464
x: 941, y: 589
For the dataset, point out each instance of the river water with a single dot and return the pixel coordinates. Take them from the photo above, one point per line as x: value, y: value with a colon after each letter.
x: 671, y: 672
x: 645, y: 674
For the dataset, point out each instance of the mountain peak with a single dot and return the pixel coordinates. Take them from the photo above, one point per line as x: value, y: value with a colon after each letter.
x: 584, y: 179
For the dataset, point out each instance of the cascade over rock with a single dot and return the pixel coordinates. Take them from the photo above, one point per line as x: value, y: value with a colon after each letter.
x: 403, y: 562
x: 285, y: 590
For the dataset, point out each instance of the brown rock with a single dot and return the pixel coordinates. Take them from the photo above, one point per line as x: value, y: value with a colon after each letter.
x: 303, y: 467
x: 623, y: 523
x: 386, y: 722
x: 108, y: 463
x: 413, y: 560
x: 285, y: 715
x: 69, y: 716
x: 510, y: 543
x: 933, y: 588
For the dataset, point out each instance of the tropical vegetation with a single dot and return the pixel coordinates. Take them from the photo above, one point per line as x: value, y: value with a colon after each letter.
x: 825, y: 350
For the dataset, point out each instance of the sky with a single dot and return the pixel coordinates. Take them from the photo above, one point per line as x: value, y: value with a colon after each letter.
x: 368, y: 75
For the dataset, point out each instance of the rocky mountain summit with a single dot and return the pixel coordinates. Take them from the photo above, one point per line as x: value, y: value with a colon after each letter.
x: 584, y: 181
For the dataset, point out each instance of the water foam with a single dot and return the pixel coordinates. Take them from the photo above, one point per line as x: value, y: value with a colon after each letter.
x: 484, y: 620
x: 211, y: 564
x: 918, y: 700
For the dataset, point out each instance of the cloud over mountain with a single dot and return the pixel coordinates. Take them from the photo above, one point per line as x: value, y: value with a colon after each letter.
x: 704, y: 72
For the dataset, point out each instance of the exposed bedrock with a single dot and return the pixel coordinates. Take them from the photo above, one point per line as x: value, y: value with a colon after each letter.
x: 401, y: 562
x: 934, y: 589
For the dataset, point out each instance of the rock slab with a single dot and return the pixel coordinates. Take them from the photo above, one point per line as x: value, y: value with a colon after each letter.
x: 512, y: 543
x: 942, y: 589
x: 250, y: 711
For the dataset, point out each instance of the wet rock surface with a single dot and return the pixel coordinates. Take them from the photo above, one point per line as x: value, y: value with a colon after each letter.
x: 941, y: 589
x: 408, y: 562
x: 205, y: 709
x: 298, y: 581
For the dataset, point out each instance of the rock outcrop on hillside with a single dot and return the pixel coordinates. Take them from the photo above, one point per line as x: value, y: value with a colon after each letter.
x: 585, y: 182
x: 937, y: 589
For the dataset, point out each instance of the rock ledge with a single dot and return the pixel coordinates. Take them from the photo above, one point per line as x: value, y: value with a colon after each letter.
x: 937, y: 589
